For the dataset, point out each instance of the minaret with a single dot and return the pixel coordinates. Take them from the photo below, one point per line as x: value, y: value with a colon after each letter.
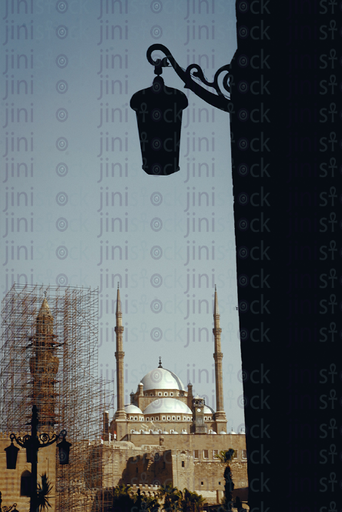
x: 44, y: 367
x: 119, y: 355
x: 220, y: 415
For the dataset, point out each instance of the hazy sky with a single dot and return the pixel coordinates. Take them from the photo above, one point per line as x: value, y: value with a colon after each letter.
x: 77, y: 208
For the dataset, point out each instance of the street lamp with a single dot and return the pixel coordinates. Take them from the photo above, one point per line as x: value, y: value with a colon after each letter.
x: 11, y: 508
x: 159, y: 110
x: 32, y: 443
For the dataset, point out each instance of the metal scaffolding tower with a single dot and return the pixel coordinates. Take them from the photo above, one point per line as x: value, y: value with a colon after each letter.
x: 49, y: 356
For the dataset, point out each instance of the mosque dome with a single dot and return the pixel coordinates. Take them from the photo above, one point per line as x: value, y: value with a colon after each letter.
x: 160, y: 378
x: 167, y: 406
x: 208, y: 410
x: 132, y: 409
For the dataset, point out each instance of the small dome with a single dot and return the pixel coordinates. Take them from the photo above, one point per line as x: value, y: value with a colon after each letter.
x: 160, y: 378
x: 208, y: 410
x: 132, y: 409
x: 167, y: 406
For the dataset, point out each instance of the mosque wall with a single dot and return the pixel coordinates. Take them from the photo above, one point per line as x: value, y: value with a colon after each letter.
x: 183, y: 469
x: 185, y: 461
x: 191, y: 442
x: 165, y: 425
x: 152, y: 468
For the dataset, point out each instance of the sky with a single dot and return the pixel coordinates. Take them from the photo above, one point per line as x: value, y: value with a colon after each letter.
x: 76, y: 207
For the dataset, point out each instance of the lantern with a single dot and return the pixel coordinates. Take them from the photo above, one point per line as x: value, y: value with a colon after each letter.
x: 159, y: 116
x: 11, y: 455
x: 64, y: 448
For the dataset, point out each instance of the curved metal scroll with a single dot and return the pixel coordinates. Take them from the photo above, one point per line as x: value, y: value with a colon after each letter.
x: 21, y: 440
x: 43, y: 439
x: 194, y: 70
x: 8, y: 509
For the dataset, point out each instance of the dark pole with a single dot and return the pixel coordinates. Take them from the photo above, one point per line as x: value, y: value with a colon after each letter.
x: 34, y: 455
x: 32, y: 444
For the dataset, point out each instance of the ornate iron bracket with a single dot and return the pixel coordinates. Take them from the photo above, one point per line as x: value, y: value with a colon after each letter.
x: 43, y: 439
x: 8, y: 509
x: 189, y: 75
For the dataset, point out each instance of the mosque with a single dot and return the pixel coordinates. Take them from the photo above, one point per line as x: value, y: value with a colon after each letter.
x: 168, y: 435
x: 161, y: 400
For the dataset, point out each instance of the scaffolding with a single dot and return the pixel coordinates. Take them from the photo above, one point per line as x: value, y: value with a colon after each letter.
x: 49, y: 356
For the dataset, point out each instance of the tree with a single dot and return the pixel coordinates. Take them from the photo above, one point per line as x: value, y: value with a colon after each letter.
x: 145, y: 503
x: 172, y: 498
x: 226, y: 457
x: 42, y: 493
x: 122, y: 500
x: 191, y: 501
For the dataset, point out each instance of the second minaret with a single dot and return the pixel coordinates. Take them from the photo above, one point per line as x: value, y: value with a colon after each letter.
x: 119, y: 355
x: 220, y: 415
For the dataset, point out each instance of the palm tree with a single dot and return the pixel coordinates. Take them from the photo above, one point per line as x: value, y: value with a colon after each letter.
x: 122, y: 500
x: 191, y: 502
x: 149, y: 504
x: 42, y: 493
x: 172, y: 498
x: 226, y: 457
x: 145, y: 503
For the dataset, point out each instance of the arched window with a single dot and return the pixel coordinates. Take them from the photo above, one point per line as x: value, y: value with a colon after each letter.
x: 25, y: 484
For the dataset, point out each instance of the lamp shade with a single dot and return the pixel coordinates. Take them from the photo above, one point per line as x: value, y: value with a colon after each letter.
x: 159, y: 116
x: 11, y: 456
